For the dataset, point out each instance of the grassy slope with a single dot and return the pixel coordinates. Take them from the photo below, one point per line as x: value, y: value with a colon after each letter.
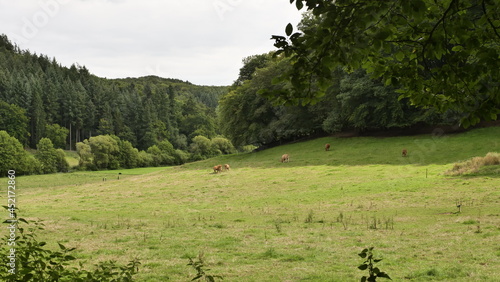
x: 300, y: 221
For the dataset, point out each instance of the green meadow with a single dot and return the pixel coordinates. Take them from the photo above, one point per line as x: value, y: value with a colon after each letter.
x: 305, y: 220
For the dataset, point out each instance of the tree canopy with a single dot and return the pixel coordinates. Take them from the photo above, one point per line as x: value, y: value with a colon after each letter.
x: 441, y: 54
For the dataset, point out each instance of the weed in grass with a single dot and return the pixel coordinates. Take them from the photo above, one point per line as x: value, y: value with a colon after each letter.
x: 199, y: 266
x: 344, y: 220
x: 369, y: 264
x: 310, y: 217
x: 270, y: 253
x: 389, y: 223
x: 277, y: 225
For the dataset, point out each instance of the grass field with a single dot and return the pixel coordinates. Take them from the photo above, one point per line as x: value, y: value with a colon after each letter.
x: 305, y: 220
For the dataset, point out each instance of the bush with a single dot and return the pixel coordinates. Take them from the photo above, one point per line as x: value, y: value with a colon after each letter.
x: 62, y: 164
x: 84, y: 152
x: 129, y: 156
x: 144, y: 159
x: 202, y: 148
x: 57, y: 135
x: 12, y: 155
x: 105, y: 150
x: 223, y: 145
x: 48, y: 156
x: 181, y: 157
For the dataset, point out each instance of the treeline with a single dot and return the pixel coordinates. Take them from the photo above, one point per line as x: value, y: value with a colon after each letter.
x: 39, y: 96
x: 354, y: 102
x: 103, y: 152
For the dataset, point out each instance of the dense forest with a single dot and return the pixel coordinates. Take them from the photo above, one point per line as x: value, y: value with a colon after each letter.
x: 353, y: 102
x: 150, y: 121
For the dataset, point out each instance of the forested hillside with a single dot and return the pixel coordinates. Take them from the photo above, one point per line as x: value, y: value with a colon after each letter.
x: 40, y: 98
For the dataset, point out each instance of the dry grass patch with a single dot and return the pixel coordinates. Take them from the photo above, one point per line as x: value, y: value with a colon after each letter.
x: 474, y: 164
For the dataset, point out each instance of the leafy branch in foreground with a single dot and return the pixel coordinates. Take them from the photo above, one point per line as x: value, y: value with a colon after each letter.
x: 30, y: 261
x: 369, y: 262
x: 439, y: 54
x: 199, y: 266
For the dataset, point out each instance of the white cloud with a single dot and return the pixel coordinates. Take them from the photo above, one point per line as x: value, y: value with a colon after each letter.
x: 197, y: 40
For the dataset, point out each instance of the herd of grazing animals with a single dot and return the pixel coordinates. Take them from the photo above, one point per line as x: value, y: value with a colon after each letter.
x: 286, y: 158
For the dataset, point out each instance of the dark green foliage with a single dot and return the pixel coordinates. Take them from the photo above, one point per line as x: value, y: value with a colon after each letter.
x: 48, y: 156
x: 57, y: 134
x: 441, y: 54
x: 13, y: 119
x: 369, y: 264
x: 84, y: 152
x: 105, y: 151
x: 128, y: 156
x: 62, y: 164
x: 12, y: 155
x: 35, y: 262
x: 353, y: 102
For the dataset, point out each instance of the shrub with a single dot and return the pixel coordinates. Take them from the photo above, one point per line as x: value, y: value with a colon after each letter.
x: 47, y: 156
x: 223, y: 145
x: 57, y: 135
x: 105, y: 150
x: 129, y: 156
x: 144, y: 159
x: 84, y: 152
x: 181, y: 157
x: 62, y: 164
x: 12, y: 155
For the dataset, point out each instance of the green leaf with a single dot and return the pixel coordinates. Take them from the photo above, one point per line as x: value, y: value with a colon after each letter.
x: 61, y: 246
x: 197, y: 277
x: 400, y: 56
x: 289, y: 28
x: 383, y: 275
x: 299, y: 5
x: 363, y: 267
x: 69, y: 258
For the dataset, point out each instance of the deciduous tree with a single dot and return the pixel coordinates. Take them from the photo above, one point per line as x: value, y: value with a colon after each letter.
x: 444, y: 54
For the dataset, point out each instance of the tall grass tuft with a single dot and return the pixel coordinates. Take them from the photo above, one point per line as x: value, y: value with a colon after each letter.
x: 474, y: 164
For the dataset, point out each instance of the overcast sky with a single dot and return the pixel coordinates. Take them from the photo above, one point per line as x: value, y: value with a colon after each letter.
x: 202, y: 41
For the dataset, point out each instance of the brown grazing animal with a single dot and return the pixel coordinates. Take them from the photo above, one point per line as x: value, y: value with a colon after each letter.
x: 226, y: 166
x: 285, y: 158
x: 404, y: 153
x: 327, y: 147
x: 217, y: 168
